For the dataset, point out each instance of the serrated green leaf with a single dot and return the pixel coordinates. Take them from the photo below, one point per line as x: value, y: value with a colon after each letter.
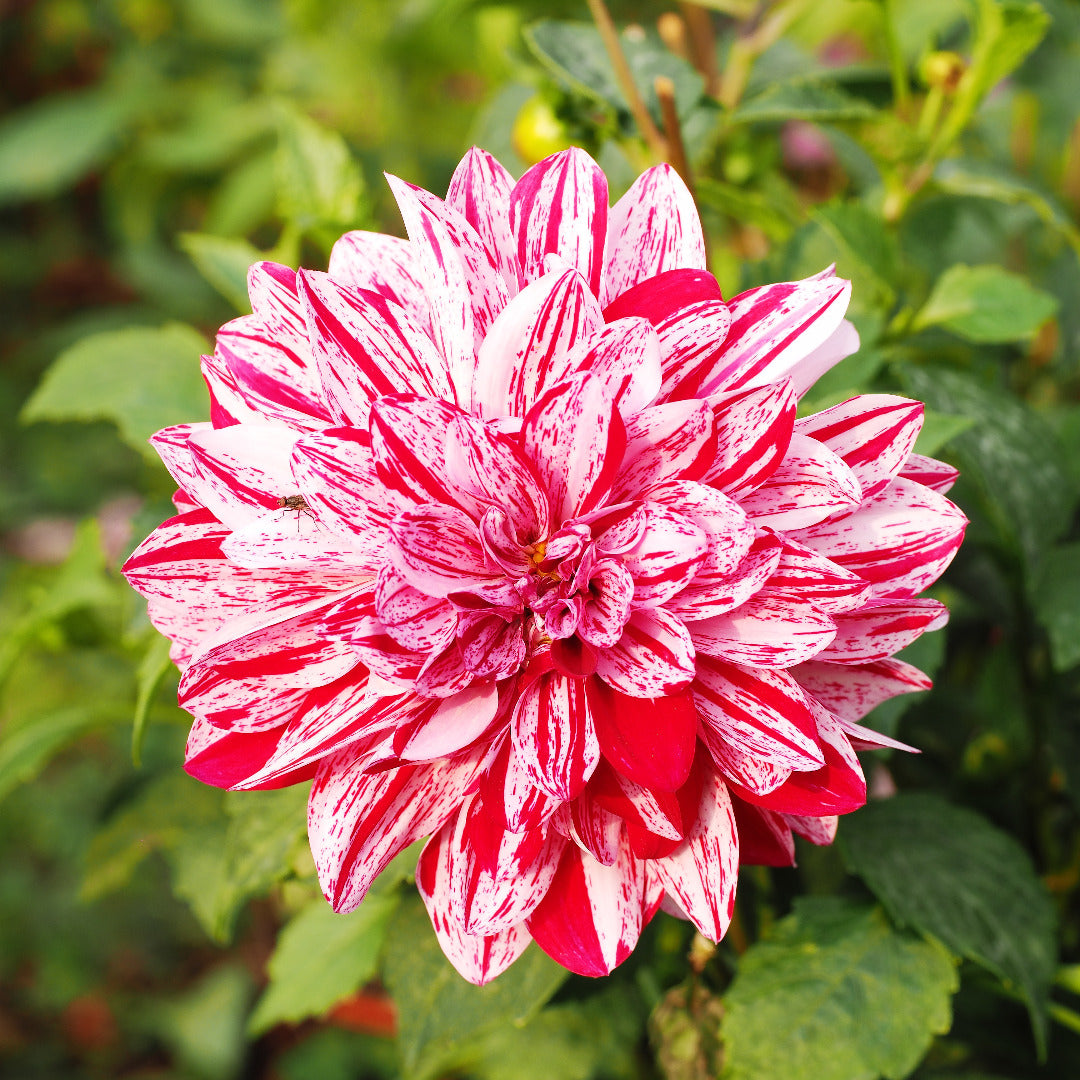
x: 443, y: 1019
x: 224, y: 263
x: 802, y: 99
x: 141, y: 379
x: 985, y: 304
x: 320, y: 958
x: 1056, y: 599
x: 835, y: 993
x: 49, y: 145
x: 940, y: 869
x: 1010, y: 460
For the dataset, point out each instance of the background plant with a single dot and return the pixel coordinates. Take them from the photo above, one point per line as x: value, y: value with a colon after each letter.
x: 151, y: 149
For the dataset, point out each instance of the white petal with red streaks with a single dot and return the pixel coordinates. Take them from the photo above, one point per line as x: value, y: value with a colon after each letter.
x: 367, y: 346
x: 752, y: 773
x: 171, y: 444
x: 458, y: 271
x: 810, y: 484
x: 574, y: 437
x: 554, y: 736
x: 654, y: 227
x: 804, y: 573
x: 770, y: 630
x: 228, y: 404
x: 873, y: 433
x: 673, y: 441
x: 655, y: 655
x: 901, y: 541
x: 763, y: 713
x: 666, y: 558
x: 753, y: 432
x: 726, y: 526
x: 875, y: 633
x: 937, y: 475
x: 456, y: 723
x: 295, y: 539
x: 625, y: 354
x: 437, y: 549
x: 851, y: 691
x: 358, y: 822
x: 593, y: 914
x: 595, y: 830
x: 529, y: 347
x: 411, y: 617
x: 480, y: 191
x: 560, y: 207
x: 818, y: 830
x: 382, y: 264
x: 702, y: 873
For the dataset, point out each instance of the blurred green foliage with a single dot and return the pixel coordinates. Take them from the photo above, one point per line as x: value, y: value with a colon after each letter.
x: 151, y: 149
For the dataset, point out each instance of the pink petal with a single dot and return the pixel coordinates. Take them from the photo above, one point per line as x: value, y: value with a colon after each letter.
x: 480, y: 191
x: 648, y: 740
x: 411, y: 617
x: 851, y: 691
x: 873, y: 433
x: 802, y: 572
x: 606, y: 609
x: 654, y: 227
x: 382, y: 264
x: 810, y: 484
x: 457, y: 269
x: 456, y: 723
x: 654, y: 656
x: 875, y: 633
x: 437, y: 550
x: 753, y: 432
x: 593, y: 914
x: 902, y: 540
x: 554, y: 736
x: 171, y: 444
x: 674, y: 441
x: 730, y: 534
x: 358, y: 822
x: 366, y: 346
x: 770, y: 630
x: 763, y: 713
x: 529, y: 347
x: 228, y: 405
x: 625, y: 354
x: 667, y: 556
x: 931, y: 473
x: 575, y: 439
x: 701, y: 874
x: 560, y: 206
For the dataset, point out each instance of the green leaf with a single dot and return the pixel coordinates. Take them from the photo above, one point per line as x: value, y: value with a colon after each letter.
x: 154, y: 666
x: 835, y: 993
x: 866, y: 242
x: 49, y: 145
x: 443, y: 1019
x: 141, y: 379
x: 224, y: 263
x: 939, y: 429
x: 320, y: 958
x: 985, y: 304
x: 802, y: 99
x: 1009, y: 460
x: 950, y: 874
x: 319, y: 182
x: 1056, y: 599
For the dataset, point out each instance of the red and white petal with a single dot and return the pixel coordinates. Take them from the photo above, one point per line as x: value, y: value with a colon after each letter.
x: 437, y: 550
x: 852, y: 690
x: 171, y: 444
x: 673, y: 441
x: 770, y: 630
x: 226, y: 758
x: 593, y: 914
x: 810, y: 484
x: 295, y: 539
x: 608, y: 598
x: 554, y: 735
x: 666, y: 558
x: 385, y: 265
x: 763, y: 713
x: 901, y: 541
x: 228, y: 404
x: 367, y: 346
x: 529, y: 348
x: 875, y: 633
x: 649, y: 740
x: 729, y: 531
x: 804, y: 573
x: 457, y: 722
x: 358, y: 821
x: 818, y: 830
x: 625, y: 354
x: 507, y: 787
x: 775, y: 331
x: 560, y: 207
x: 574, y: 437
x: 701, y: 874
x: 413, y: 618
x: 873, y: 433
x: 654, y: 656
x: 654, y: 227
x: 746, y: 771
x: 764, y: 837
x: 753, y: 433
x: 937, y: 475
x: 595, y: 830
x: 480, y: 191
x: 458, y: 270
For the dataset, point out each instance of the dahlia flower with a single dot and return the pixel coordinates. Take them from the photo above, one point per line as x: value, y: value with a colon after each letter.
x: 508, y: 536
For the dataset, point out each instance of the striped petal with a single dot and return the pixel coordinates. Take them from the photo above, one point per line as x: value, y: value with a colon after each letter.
x: 480, y: 191
x: 674, y: 441
x: 654, y: 656
x: 802, y: 572
x: 851, y: 691
x: 386, y: 265
x: 625, y: 354
x: 875, y: 633
x: 936, y: 475
x: 437, y: 550
x: 666, y: 558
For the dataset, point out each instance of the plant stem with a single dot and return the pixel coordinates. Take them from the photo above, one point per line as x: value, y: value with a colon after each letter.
x: 610, y: 37
x: 676, y: 149
x: 897, y: 67
x: 702, y: 44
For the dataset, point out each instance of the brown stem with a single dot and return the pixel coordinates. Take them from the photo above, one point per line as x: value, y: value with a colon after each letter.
x: 610, y: 37
x: 676, y: 149
x: 702, y: 44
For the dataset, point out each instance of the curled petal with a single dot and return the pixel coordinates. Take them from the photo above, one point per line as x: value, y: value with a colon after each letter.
x: 437, y: 550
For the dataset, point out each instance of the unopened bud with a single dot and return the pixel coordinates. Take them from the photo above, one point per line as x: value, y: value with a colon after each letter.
x: 943, y: 70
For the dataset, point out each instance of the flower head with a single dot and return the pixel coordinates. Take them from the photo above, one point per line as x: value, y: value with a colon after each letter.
x: 508, y: 535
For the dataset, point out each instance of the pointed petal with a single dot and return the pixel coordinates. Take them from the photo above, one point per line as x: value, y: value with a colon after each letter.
x: 382, y: 264
x: 560, y: 206
x: 507, y: 787
x: 764, y: 837
x: 226, y: 758
x: 625, y: 354
x: 654, y: 227
x: 667, y: 556
x: 411, y: 617
x: 673, y: 441
x: 295, y: 539
x: 480, y: 191
x: 654, y: 656
x: 852, y: 690
x: 818, y: 830
x: 803, y: 573
x: 875, y: 633
x: 937, y: 475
